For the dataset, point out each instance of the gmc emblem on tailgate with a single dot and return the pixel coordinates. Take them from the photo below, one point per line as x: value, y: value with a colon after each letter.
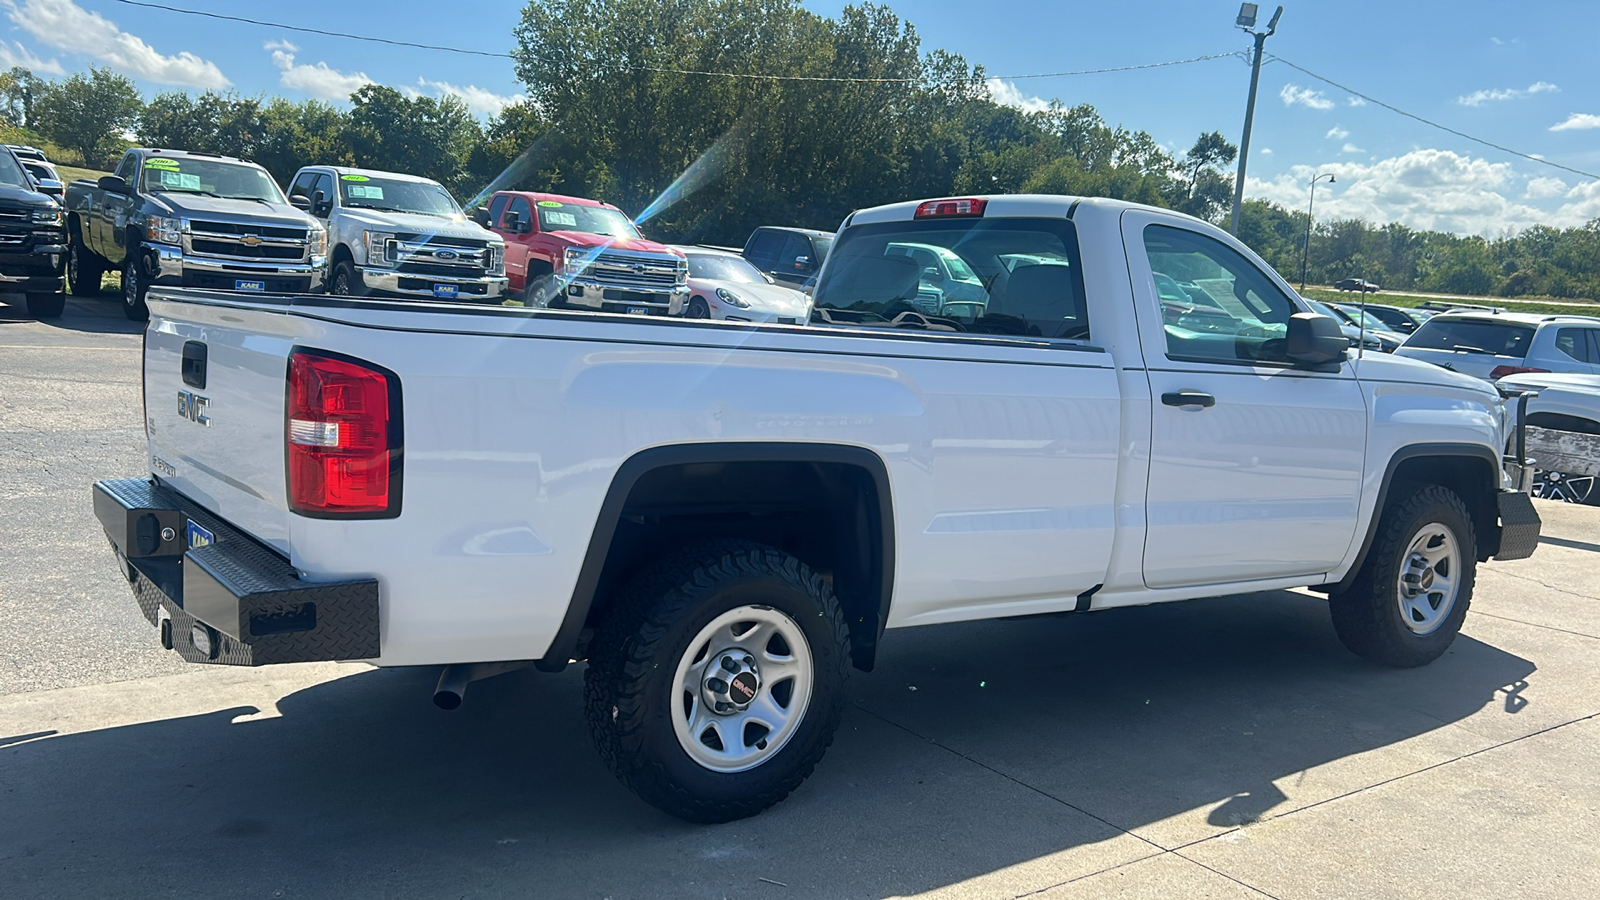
x: 193, y: 408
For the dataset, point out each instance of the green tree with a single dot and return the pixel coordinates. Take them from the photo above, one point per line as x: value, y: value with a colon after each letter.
x: 20, y: 89
x: 89, y: 113
x: 224, y: 124
x: 418, y: 135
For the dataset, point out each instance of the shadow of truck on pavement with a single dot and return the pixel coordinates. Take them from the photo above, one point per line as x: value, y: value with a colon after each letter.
x: 971, y: 749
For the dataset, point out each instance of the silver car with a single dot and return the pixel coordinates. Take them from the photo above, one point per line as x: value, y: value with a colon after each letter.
x: 1493, y: 345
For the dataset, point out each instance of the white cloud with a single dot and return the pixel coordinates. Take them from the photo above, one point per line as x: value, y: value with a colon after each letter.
x: 13, y: 54
x: 1006, y: 93
x: 1478, y: 98
x: 1544, y: 188
x: 1266, y: 151
x: 1293, y: 93
x: 1577, y: 122
x: 65, y: 25
x: 1435, y: 190
x: 481, y: 101
x: 1350, y: 148
x: 1336, y: 133
x: 1355, y: 101
x: 319, y: 81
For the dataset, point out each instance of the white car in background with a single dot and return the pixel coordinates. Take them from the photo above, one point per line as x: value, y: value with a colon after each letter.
x: 724, y: 285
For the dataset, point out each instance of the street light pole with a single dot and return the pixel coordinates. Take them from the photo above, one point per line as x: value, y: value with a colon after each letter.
x: 1247, y: 20
x: 1305, y: 252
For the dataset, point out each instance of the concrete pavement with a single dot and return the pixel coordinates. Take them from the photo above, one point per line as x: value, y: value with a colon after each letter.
x: 1222, y: 748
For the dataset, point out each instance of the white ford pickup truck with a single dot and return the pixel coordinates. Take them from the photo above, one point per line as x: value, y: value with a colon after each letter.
x: 724, y: 518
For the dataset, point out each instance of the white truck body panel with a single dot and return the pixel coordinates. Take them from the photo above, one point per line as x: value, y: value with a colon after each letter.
x: 1023, y: 474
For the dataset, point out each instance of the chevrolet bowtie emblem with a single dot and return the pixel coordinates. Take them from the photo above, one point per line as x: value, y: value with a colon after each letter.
x: 250, y: 240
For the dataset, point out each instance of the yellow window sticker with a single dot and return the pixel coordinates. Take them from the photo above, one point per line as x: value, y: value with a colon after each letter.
x: 354, y: 178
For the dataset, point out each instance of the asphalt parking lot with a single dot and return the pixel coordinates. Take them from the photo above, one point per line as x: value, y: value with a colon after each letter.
x: 1221, y: 748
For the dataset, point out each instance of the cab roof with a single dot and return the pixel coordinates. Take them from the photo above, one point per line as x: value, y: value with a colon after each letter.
x: 1008, y: 206
x: 375, y: 173
x: 536, y: 196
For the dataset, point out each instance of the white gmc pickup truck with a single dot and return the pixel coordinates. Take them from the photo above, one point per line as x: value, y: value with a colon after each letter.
x: 724, y: 518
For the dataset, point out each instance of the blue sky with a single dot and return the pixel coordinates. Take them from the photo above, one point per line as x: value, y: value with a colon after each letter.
x: 1521, y: 75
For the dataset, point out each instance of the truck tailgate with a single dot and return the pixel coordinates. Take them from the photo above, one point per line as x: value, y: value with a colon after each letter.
x: 214, y: 400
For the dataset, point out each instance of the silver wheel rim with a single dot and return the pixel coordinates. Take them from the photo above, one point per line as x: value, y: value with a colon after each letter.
x: 759, y: 654
x: 341, y: 283
x: 1430, y: 578
x: 1563, y: 487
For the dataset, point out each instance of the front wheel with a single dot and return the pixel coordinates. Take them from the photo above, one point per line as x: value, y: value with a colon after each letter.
x: 347, y: 281
x: 47, y: 306
x: 1411, y: 595
x: 699, y: 309
x: 716, y: 682
x: 134, y: 288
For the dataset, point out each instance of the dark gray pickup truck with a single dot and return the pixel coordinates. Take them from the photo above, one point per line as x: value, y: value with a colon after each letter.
x: 187, y: 219
x: 30, y: 240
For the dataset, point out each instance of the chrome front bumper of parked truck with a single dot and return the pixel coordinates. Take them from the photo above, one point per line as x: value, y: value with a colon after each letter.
x: 491, y: 288
x: 582, y: 293
x: 171, y: 268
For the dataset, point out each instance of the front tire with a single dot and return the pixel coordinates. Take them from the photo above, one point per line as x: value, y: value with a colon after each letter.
x: 134, y: 287
x: 716, y: 682
x: 347, y: 281
x: 47, y: 306
x: 1411, y: 594
x: 699, y: 309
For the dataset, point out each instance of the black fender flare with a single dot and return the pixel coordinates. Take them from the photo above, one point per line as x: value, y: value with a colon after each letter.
x: 637, y: 466
x: 1404, y: 454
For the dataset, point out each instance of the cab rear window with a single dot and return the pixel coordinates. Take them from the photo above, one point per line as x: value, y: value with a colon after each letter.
x: 1473, y: 336
x: 1016, y: 277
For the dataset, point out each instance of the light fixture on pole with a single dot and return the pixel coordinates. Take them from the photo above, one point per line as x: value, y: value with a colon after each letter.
x: 1305, y: 252
x: 1247, y: 21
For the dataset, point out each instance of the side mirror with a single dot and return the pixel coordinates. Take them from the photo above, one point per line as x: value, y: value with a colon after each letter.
x: 301, y: 202
x: 1314, y: 340
x: 932, y: 273
x: 113, y: 184
x: 523, y: 227
x: 803, y: 263
x: 320, y: 206
x: 511, y: 221
x: 481, y: 216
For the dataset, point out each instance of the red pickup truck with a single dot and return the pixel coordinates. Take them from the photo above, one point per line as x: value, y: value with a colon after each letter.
x: 575, y: 253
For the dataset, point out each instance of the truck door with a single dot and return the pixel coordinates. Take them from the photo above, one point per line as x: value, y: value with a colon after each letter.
x: 1256, y: 466
x: 518, y: 242
x: 108, y: 222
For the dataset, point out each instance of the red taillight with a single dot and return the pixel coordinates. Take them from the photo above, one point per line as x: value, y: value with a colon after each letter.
x: 971, y: 206
x: 343, y: 437
x: 1503, y: 371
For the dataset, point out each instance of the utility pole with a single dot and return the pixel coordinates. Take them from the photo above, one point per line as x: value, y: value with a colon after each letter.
x: 1247, y: 21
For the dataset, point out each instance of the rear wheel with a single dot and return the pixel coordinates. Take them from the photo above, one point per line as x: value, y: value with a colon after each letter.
x: 47, y: 306
x: 134, y: 287
x: 1411, y: 594
x: 716, y: 682
x: 84, y: 269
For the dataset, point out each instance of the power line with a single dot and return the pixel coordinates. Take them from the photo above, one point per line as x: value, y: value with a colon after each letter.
x: 304, y: 30
x: 1430, y: 123
x: 663, y: 69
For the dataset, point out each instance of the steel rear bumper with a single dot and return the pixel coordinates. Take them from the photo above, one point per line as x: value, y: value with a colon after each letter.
x: 232, y: 602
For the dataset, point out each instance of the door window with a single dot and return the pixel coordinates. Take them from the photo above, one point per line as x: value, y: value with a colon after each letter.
x: 498, y: 208
x: 302, y: 185
x: 764, y: 248
x: 795, y: 247
x: 125, y: 169
x: 518, y: 205
x: 324, y: 184
x: 1577, y: 343
x: 1216, y: 306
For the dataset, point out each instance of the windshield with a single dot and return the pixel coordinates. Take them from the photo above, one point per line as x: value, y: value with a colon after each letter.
x: 425, y: 198
x: 1366, y: 319
x: 556, y: 216
x: 11, y: 173
x: 715, y: 267
x: 888, y: 275
x: 209, y: 177
x: 1473, y: 336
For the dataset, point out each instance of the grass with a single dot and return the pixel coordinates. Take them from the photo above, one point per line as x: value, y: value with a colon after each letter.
x: 1545, y: 305
x: 73, y: 173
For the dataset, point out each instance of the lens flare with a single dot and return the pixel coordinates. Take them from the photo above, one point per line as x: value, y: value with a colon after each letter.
x: 704, y: 170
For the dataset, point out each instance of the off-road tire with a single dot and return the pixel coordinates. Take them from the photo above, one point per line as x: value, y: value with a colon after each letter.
x: 635, y: 651
x: 135, y: 285
x: 47, y: 306
x: 346, y: 281
x: 1367, y: 615
x: 84, y: 268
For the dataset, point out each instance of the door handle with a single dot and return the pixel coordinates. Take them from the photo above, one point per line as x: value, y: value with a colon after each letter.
x: 1189, y: 398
